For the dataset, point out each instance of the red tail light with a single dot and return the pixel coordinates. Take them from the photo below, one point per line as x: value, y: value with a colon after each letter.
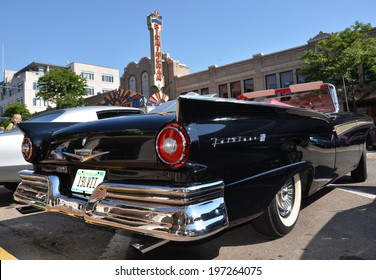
x: 27, y: 148
x: 173, y: 145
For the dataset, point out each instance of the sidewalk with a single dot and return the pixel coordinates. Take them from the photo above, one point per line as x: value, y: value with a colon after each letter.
x: 371, y: 154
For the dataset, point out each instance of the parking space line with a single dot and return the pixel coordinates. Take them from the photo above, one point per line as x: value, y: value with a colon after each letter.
x: 371, y: 155
x: 4, y: 255
x: 368, y: 195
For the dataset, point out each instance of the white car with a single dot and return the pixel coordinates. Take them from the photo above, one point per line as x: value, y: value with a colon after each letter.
x: 11, y: 159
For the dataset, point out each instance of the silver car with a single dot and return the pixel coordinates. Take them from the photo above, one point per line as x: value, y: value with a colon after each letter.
x: 11, y: 159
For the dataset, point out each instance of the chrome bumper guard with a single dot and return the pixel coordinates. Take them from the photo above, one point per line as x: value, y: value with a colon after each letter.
x: 179, y: 213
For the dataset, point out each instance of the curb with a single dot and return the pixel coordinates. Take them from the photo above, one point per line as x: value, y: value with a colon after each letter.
x: 371, y: 155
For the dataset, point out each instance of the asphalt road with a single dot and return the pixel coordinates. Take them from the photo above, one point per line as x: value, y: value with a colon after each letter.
x: 337, y: 223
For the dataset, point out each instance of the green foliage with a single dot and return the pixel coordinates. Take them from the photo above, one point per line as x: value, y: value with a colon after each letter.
x: 16, y: 108
x: 343, y: 56
x: 63, y: 88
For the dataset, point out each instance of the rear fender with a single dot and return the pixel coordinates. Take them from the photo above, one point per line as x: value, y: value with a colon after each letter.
x: 249, y: 197
x: 40, y: 135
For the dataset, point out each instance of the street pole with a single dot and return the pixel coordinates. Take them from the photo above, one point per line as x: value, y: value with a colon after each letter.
x: 344, y: 88
x: 2, y: 61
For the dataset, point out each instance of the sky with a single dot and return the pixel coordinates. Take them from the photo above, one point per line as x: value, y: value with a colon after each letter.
x: 198, y: 33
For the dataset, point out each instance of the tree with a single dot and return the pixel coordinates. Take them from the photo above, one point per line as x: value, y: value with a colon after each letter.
x: 16, y: 108
x: 62, y: 87
x: 341, y: 58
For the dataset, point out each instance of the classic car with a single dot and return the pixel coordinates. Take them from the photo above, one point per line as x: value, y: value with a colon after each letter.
x: 371, y: 140
x: 11, y: 159
x: 197, y: 165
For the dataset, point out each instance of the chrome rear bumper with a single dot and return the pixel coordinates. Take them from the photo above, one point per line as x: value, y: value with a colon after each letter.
x: 180, y: 213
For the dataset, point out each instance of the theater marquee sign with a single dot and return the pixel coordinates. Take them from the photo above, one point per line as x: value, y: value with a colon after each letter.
x: 155, y: 27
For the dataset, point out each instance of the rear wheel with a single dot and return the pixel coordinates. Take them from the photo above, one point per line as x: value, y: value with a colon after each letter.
x: 282, y: 213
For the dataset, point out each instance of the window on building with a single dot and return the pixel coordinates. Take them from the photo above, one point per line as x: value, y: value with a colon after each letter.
x: 20, y: 100
x: 36, y: 86
x: 2, y: 110
x: 236, y: 89
x: 39, y: 102
x: 145, y: 86
x: 20, y: 86
x: 222, y: 89
x: 106, y: 90
x: 205, y: 91
x: 87, y: 75
x: 271, y: 81
x: 41, y: 71
x: 300, y: 78
x: 286, y: 79
x: 132, y: 83
x: 107, y: 78
x: 89, y: 90
x: 367, y: 76
x: 248, y: 85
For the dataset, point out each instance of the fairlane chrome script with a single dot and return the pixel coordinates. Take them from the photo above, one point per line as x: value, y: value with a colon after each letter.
x: 237, y: 139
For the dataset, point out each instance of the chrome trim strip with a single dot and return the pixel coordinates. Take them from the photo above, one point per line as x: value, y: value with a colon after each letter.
x: 180, y: 213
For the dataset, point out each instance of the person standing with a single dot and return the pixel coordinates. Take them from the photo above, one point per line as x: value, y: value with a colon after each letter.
x: 15, y: 119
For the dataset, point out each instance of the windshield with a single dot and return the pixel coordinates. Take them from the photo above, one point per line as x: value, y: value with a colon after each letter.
x: 167, y: 107
x: 170, y: 106
x: 316, y: 96
x: 318, y: 100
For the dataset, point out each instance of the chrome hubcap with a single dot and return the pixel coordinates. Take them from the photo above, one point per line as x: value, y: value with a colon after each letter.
x: 285, y: 199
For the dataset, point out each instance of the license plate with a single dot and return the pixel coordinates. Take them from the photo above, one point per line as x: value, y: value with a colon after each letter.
x: 87, y: 180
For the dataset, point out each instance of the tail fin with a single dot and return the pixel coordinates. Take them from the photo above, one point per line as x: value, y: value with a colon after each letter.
x: 34, y: 128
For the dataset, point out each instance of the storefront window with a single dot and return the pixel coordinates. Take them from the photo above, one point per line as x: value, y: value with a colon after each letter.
x: 271, y: 81
x: 222, y: 89
x: 300, y: 78
x: 235, y: 89
x: 205, y: 91
x: 248, y: 85
x: 286, y: 79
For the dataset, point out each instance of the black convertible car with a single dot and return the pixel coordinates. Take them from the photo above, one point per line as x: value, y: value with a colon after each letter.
x: 199, y: 164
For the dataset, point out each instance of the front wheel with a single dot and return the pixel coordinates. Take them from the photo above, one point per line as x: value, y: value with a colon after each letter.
x: 282, y: 213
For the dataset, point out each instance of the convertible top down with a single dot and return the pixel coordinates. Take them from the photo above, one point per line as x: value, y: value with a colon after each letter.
x: 195, y: 166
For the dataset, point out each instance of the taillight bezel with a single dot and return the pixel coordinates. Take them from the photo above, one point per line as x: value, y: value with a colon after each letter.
x: 27, y: 148
x: 173, y: 132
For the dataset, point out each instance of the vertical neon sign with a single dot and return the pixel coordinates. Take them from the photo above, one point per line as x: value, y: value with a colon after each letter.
x: 155, y: 27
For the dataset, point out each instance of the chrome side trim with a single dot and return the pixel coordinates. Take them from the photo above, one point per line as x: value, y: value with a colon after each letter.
x: 180, y: 213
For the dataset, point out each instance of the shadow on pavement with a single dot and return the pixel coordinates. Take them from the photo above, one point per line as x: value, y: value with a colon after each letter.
x: 209, y: 248
x: 346, y: 236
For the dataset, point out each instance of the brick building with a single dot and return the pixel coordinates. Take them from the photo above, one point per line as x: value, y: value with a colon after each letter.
x: 261, y: 71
